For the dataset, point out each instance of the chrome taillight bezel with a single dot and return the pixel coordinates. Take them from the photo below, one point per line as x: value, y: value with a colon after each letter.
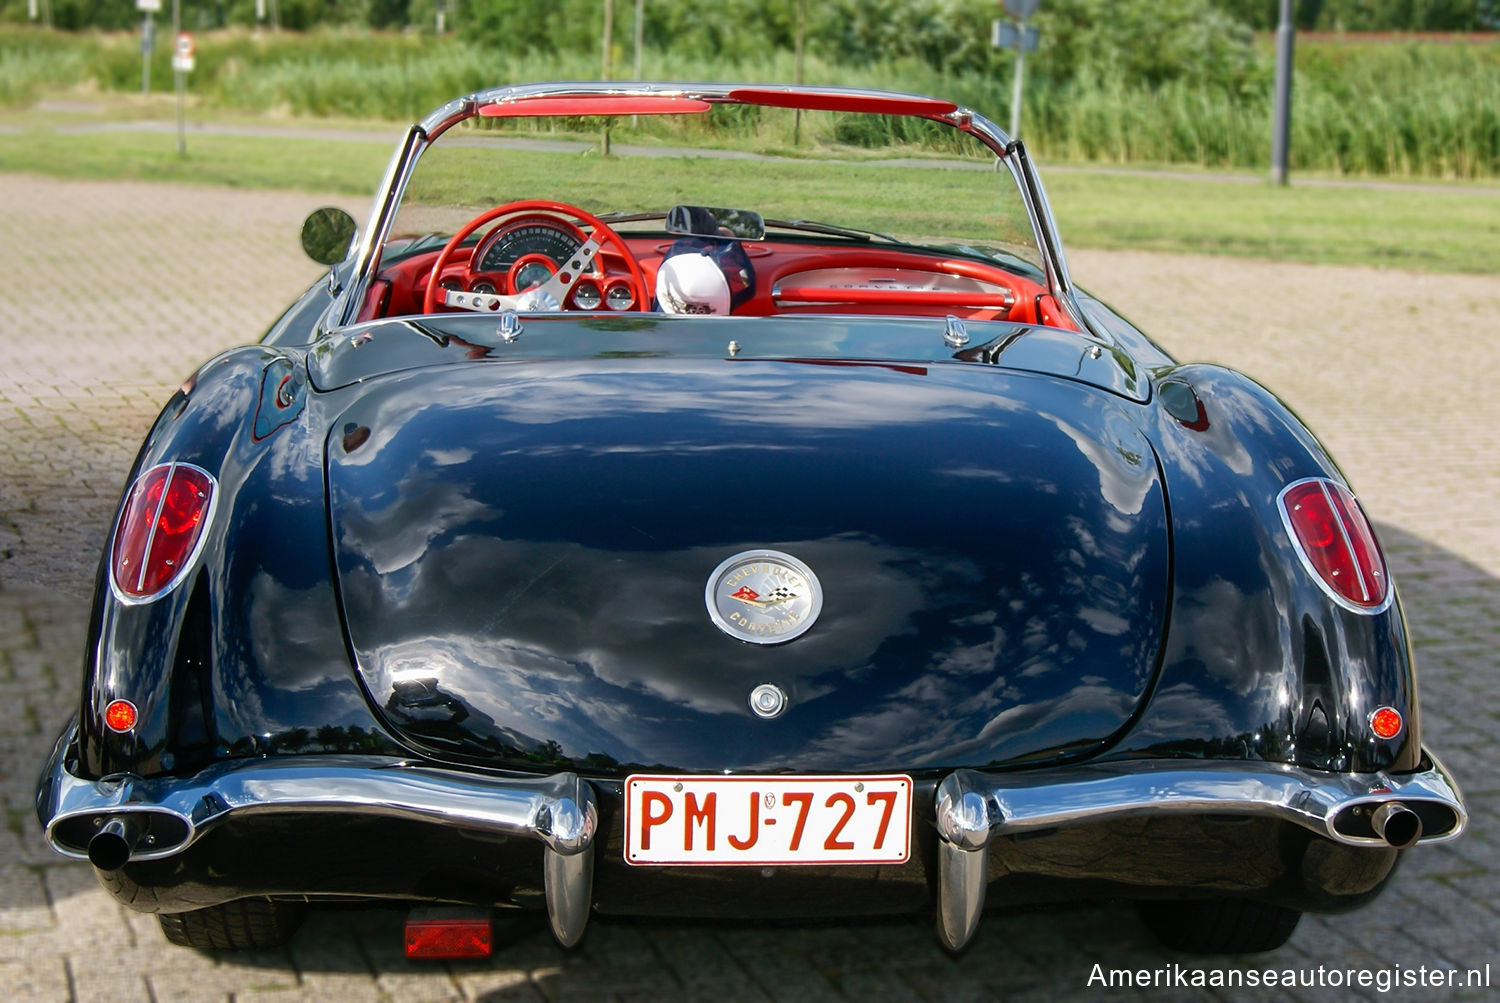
x: 1306, y: 560
x: 130, y: 599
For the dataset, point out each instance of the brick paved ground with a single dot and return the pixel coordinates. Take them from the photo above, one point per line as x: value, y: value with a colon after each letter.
x: 116, y: 291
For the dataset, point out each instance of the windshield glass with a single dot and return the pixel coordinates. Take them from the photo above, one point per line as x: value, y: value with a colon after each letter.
x: 912, y: 180
x: 817, y: 211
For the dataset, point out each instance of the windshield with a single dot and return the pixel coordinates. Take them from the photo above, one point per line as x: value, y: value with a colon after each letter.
x: 847, y: 200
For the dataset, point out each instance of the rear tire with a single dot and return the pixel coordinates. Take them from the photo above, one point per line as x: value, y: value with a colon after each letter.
x: 244, y: 925
x: 1219, y: 926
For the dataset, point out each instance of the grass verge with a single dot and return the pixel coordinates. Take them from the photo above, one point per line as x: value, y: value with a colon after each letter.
x: 1439, y: 229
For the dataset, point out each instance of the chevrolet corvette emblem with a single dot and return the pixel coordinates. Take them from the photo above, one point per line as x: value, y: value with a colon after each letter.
x: 763, y: 596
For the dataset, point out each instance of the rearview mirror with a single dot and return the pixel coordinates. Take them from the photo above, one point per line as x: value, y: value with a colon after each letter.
x: 327, y: 234
x: 705, y: 221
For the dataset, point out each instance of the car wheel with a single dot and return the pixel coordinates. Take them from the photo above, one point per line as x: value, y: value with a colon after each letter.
x: 1219, y: 926
x: 236, y: 926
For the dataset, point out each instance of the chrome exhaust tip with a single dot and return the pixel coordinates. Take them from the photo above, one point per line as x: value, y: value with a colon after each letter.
x: 1397, y: 824
x: 112, y: 846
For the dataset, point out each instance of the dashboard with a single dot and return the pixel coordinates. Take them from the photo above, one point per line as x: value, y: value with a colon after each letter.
x: 794, y: 275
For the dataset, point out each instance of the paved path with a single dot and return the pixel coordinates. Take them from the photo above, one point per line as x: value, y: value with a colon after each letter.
x: 114, y: 292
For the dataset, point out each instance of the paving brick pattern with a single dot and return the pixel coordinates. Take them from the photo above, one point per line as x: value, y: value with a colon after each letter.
x: 114, y: 292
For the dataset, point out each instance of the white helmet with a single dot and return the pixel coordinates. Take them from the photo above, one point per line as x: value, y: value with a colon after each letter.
x: 691, y: 283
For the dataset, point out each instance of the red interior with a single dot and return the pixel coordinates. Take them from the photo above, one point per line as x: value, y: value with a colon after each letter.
x: 779, y: 265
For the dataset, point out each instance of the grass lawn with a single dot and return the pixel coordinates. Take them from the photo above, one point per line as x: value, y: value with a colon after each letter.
x: 1443, y: 228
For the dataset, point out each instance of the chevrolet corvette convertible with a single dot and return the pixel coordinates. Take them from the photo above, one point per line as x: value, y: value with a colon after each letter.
x: 702, y: 500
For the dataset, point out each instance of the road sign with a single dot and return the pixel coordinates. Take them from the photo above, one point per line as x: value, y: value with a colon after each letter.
x: 182, y: 58
x: 1021, y: 9
x: 148, y: 6
x: 1008, y: 35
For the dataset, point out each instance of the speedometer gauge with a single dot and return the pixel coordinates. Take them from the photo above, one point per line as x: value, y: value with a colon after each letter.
x: 531, y: 235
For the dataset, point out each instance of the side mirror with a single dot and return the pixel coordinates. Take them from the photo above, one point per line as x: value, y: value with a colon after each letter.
x: 327, y: 234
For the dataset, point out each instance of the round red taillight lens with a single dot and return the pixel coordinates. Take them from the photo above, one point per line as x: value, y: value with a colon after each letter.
x: 1336, y: 543
x: 1386, y: 722
x: 120, y: 715
x: 160, y: 529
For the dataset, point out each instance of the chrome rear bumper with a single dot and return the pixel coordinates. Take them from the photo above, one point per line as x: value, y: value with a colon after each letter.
x: 128, y: 818
x: 1349, y: 808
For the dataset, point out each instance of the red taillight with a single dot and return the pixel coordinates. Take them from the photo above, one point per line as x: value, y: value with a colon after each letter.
x: 456, y: 937
x: 160, y: 529
x: 119, y: 715
x: 1335, y: 541
x: 1386, y: 722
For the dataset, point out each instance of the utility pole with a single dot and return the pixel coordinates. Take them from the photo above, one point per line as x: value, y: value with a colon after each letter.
x: 1281, y: 127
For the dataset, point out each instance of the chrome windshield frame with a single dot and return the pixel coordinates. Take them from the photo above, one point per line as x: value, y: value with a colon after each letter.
x: 1009, y: 153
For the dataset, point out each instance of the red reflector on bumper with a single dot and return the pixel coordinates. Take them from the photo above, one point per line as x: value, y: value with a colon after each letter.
x: 448, y: 938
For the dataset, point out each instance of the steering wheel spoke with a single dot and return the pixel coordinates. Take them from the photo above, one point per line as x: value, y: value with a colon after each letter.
x: 482, y: 302
x: 551, y: 294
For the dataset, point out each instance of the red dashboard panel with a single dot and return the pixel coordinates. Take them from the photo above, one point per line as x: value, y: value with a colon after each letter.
x: 789, y: 278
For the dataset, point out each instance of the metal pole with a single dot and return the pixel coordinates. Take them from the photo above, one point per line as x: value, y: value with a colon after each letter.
x: 797, y: 68
x: 176, y: 31
x: 146, y: 42
x: 181, y: 127
x: 640, y: 34
x: 1281, y: 128
x: 1015, y: 93
x: 605, y: 69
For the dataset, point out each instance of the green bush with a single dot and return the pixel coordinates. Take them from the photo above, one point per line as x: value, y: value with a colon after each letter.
x: 1408, y: 108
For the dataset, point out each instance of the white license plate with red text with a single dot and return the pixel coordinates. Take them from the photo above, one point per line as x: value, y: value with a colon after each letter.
x: 767, y: 820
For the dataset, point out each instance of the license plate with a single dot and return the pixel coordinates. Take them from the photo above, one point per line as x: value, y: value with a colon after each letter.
x: 767, y: 820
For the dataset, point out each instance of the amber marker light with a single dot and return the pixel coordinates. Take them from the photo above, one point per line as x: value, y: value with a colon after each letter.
x: 120, y: 715
x: 1386, y: 722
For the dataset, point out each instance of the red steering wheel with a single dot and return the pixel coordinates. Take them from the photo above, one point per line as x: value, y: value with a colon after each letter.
x: 567, y: 274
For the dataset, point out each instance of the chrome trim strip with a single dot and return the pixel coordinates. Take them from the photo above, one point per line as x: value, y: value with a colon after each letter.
x: 1307, y: 564
x: 1364, y: 587
x: 382, y: 213
x: 1028, y: 801
x: 558, y: 810
x: 124, y: 598
x: 166, y: 486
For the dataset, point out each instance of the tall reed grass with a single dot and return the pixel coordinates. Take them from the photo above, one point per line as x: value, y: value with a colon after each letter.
x: 1407, y: 109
